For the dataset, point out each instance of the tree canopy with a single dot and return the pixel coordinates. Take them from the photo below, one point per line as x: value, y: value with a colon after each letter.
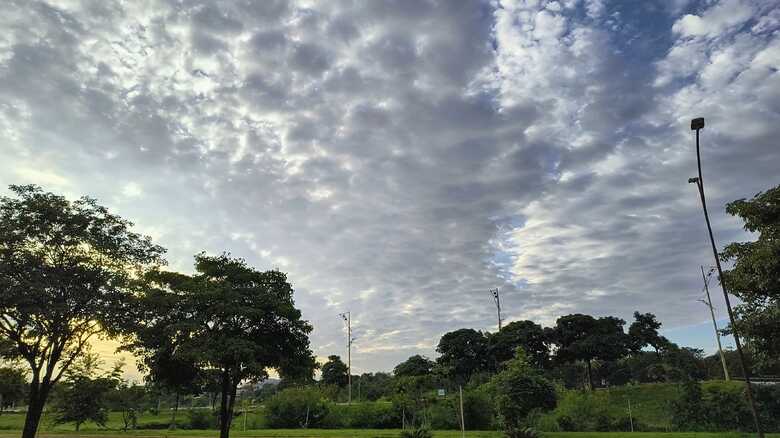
x: 755, y: 275
x: 67, y: 271
x: 334, y: 371
x: 229, y: 318
x: 416, y: 365
x: 526, y: 334
x: 463, y: 353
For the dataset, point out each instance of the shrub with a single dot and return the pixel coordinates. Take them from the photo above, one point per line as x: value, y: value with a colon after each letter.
x: 521, y: 389
x: 202, y: 419
x: 296, y: 407
x: 582, y: 411
x: 364, y: 415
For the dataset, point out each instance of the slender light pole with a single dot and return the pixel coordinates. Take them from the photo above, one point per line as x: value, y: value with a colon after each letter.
x: 497, y: 299
x: 696, y: 125
x: 348, y: 319
x: 708, y: 303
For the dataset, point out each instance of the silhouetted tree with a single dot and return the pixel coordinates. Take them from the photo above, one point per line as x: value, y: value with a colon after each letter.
x: 644, y: 331
x: 463, y: 353
x: 414, y: 366
x: 526, y: 334
x: 334, y: 371
x: 67, y: 273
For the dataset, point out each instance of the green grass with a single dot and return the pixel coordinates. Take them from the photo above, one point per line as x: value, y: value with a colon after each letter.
x: 366, y: 433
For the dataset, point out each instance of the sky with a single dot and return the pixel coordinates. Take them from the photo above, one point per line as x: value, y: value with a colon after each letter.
x: 400, y: 159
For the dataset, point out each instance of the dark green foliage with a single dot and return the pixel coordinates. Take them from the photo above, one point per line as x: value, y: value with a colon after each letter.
x: 526, y: 334
x: 521, y: 389
x: 414, y: 366
x: 85, y: 395
x: 420, y: 432
x: 463, y: 353
x: 296, y: 408
x: 201, y: 419
x: 723, y: 407
x: 374, y: 386
x: 364, y: 415
x: 130, y: 401
x: 13, y: 386
x: 228, y: 320
x: 523, y: 432
x: 334, y: 372
x: 755, y: 276
x: 68, y: 271
x: 644, y: 331
x: 582, y: 337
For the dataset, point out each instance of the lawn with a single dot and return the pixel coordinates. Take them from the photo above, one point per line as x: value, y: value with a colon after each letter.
x: 363, y: 433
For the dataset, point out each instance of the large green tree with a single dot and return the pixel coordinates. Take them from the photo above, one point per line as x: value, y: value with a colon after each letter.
x: 644, y: 331
x: 520, y: 389
x: 526, y: 334
x: 416, y: 365
x: 227, y: 318
x: 67, y: 270
x: 334, y: 371
x: 463, y: 353
x: 585, y: 338
x: 755, y: 275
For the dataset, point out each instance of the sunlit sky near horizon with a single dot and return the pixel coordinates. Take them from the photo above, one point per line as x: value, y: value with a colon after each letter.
x: 399, y: 159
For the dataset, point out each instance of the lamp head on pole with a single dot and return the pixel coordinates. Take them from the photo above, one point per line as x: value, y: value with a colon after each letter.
x: 697, y: 123
x: 694, y: 180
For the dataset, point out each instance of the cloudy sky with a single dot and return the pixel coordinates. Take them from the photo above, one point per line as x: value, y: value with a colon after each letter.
x: 398, y: 159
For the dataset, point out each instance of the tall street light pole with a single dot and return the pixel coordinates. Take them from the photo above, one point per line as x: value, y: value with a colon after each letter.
x: 708, y: 303
x: 696, y: 125
x: 497, y: 299
x: 348, y: 319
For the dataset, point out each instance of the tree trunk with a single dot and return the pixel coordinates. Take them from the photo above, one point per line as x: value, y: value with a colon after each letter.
x: 224, y: 415
x: 36, y: 402
x: 590, y: 375
x: 175, y: 411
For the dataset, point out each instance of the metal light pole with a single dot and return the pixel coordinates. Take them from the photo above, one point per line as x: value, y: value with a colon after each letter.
x: 696, y: 125
x: 708, y: 303
x: 348, y: 319
x: 497, y: 299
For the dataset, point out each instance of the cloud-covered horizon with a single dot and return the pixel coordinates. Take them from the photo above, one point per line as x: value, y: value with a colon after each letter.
x: 399, y: 159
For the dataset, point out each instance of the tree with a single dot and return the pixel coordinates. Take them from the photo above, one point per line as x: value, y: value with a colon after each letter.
x: 67, y: 269
x: 582, y: 337
x: 12, y: 386
x: 172, y: 374
x: 84, y: 396
x: 334, y: 372
x: 644, y: 331
x: 755, y: 276
x: 463, y: 353
x: 520, y: 388
x: 526, y: 334
x: 228, y: 318
x: 414, y: 366
x: 130, y: 400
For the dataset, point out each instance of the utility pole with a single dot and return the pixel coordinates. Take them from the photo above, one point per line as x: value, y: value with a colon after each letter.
x: 708, y: 303
x: 348, y: 319
x: 497, y: 299
x: 696, y: 125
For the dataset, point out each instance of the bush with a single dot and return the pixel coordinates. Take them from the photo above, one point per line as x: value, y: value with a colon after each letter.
x: 525, y: 432
x: 296, y: 407
x: 521, y: 389
x: 582, y: 411
x: 364, y: 415
x: 202, y: 419
x: 768, y: 401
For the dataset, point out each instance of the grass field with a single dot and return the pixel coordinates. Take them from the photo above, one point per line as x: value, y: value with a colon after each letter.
x: 364, y: 433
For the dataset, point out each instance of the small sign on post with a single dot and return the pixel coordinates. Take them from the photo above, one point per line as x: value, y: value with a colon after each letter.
x: 442, y: 392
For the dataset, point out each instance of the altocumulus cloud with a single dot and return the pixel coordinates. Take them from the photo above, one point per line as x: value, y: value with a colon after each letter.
x: 400, y: 158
